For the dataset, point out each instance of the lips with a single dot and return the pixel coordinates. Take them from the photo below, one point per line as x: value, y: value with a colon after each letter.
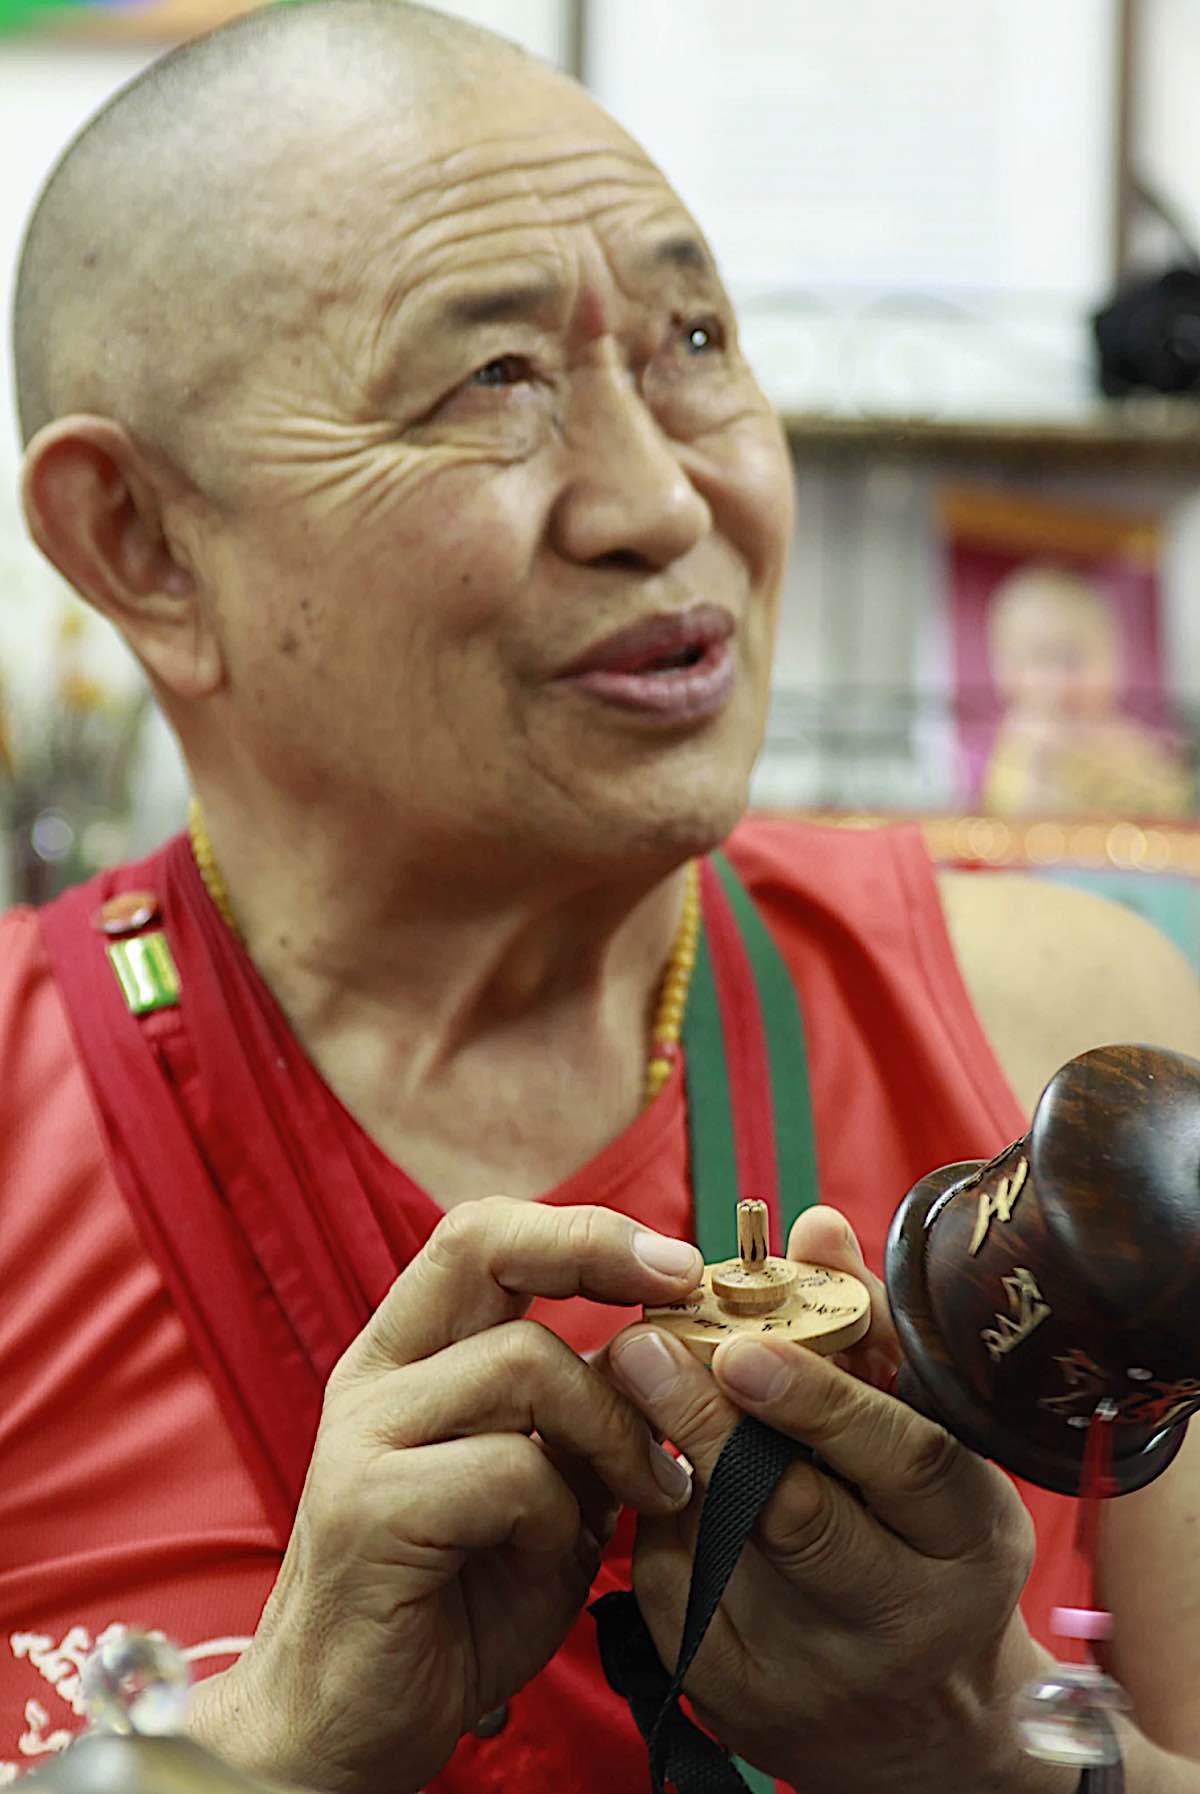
x: 673, y: 668
x: 670, y: 642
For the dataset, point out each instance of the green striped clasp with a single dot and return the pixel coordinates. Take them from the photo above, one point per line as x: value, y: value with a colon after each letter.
x: 146, y: 972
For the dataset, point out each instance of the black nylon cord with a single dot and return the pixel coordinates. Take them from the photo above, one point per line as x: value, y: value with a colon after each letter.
x: 1108, y: 1779
x: 749, y: 1466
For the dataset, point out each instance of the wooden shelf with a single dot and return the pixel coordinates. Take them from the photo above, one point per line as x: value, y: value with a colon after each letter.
x: 1155, y: 435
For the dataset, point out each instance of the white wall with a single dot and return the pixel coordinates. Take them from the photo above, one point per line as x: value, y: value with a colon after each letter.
x: 1167, y: 104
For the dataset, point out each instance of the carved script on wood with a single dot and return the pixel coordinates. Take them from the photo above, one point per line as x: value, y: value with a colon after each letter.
x: 1027, y: 1310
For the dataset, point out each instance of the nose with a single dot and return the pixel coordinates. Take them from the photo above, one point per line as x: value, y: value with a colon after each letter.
x: 626, y: 499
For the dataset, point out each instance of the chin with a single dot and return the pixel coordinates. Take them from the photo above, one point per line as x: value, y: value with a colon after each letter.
x: 666, y: 820
x: 658, y: 800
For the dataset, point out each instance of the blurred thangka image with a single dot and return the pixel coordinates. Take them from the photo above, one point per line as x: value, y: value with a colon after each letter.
x: 1059, y: 676
x: 1064, y: 745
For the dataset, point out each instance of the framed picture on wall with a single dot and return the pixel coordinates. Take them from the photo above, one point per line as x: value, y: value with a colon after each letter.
x: 119, y: 21
x: 547, y: 27
x: 1060, y: 698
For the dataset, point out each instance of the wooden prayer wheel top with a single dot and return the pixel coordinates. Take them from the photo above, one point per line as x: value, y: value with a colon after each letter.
x: 755, y: 1292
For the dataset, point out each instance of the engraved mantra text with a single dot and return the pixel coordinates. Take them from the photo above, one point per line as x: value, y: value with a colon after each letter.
x: 998, y: 1204
x: 1027, y: 1310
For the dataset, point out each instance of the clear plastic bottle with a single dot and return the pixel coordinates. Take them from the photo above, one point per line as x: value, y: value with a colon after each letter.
x: 1069, y: 1716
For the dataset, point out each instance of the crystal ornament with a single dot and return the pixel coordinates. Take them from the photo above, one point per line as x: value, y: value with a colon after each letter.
x: 136, y: 1683
x: 1068, y: 1717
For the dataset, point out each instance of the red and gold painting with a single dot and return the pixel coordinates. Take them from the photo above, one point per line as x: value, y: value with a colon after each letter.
x: 1061, y: 701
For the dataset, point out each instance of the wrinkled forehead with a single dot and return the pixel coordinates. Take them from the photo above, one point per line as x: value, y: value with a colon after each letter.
x: 533, y: 178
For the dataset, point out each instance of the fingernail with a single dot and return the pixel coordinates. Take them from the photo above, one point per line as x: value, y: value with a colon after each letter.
x: 753, y: 1370
x: 673, y: 1258
x: 670, y: 1474
x: 852, y: 1242
x: 647, y: 1367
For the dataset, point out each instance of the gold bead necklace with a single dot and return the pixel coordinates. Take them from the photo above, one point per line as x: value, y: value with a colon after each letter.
x: 206, y: 865
x: 672, y: 996
x: 673, y: 993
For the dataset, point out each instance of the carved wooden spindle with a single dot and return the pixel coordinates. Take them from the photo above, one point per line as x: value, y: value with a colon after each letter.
x: 753, y: 1246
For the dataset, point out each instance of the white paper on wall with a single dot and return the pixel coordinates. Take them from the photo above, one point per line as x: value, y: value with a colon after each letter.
x: 912, y: 200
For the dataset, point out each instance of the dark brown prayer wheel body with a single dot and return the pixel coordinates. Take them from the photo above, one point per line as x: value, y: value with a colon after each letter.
x: 1064, y: 1272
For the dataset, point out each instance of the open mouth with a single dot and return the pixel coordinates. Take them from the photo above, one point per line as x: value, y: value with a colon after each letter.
x: 671, y: 663
x: 676, y: 668
x: 670, y: 642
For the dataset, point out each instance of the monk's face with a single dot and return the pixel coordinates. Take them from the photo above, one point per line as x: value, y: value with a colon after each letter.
x: 506, y: 510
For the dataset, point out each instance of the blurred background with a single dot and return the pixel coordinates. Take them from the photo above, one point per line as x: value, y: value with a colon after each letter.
x: 963, y: 240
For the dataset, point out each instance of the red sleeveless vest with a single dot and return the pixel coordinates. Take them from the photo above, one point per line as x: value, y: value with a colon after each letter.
x: 125, y: 1497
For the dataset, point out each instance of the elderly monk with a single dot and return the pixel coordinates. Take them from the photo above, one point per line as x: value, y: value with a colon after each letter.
x: 383, y: 394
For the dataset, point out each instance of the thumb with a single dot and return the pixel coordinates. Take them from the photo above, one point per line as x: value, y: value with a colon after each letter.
x: 823, y: 1236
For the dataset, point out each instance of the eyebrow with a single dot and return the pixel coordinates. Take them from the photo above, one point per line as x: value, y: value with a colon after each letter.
x: 684, y: 252
x: 500, y: 305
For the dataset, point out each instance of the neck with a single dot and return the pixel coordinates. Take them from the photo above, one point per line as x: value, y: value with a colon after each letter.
x: 531, y: 1002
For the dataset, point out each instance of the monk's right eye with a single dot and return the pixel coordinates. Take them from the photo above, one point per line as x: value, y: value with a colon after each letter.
x: 505, y: 370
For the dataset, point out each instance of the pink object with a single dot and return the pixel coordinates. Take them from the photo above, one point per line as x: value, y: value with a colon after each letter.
x: 1081, y: 1622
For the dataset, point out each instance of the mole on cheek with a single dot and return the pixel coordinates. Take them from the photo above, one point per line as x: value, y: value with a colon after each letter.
x: 289, y: 641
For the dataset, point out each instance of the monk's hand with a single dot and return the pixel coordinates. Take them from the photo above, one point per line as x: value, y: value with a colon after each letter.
x: 868, y: 1639
x: 466, y: 1467
x: 823, y: 1236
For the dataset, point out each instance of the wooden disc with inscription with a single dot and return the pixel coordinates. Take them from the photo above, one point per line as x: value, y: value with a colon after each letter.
x: 755, y: 1293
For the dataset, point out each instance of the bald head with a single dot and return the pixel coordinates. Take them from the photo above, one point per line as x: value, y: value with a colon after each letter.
x: 387, y: 377
x: 156, y: 259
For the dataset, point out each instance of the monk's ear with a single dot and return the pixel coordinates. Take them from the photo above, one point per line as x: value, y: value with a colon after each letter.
x: 94, y: 506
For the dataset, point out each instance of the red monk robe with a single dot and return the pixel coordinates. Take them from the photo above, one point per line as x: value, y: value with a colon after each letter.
x: 127, y: 1495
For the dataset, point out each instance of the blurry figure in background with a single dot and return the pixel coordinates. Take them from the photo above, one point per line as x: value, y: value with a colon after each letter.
x: 1064, y: 744
x: 1057, y: 614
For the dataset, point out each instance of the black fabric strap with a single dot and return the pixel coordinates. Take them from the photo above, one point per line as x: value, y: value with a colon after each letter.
x: 1110, y: 1779
x: 751, y: 1462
